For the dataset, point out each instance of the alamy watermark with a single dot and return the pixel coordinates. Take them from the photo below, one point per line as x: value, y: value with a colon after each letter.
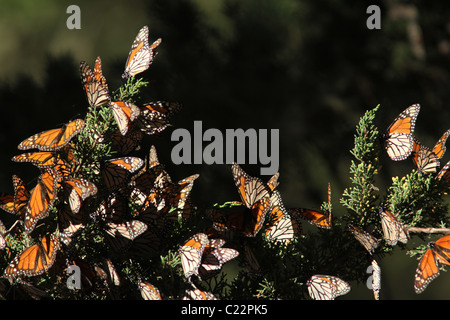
x: 236, y: 145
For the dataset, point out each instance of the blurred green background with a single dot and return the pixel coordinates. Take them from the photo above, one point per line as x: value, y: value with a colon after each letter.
x: 308, y: 68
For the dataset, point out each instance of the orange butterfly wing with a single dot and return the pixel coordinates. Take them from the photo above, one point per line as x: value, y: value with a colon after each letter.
x: 440, y: 148
x: 191, y: 253
x: 54, y: 139
x: 141, y: 54
x: 398, y: 137
x: 124, y: 113
x: 41, y: 198
x: 96, y: 91
x: 428, y: 269
x: 36, y: 259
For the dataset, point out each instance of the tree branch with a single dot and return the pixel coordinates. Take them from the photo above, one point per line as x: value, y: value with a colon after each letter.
x: 429, y: 230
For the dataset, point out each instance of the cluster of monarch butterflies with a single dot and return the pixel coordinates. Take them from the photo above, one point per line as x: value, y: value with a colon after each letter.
x: 127, y: 186
x: 261, y: 209
x: 400, y: 144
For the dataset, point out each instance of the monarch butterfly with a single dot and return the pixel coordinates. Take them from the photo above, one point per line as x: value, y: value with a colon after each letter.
x: 399, y: 135
x: 155, y: 116
x: 214, y: 257
x: 324, y: 287
x: 177, y: 196
x: 116, y: 171
x: 213, y: 261
x: 41, y: 159
x: 369, y: 242
x: 42, y: 197
x: 149, y: 291
x: 426, y: 160
x: 122, y: 234
x: 112, y: 275
x: 141, y: 54
x: 255, y: 195
x: 317, y: 218
x: 53, y: 139
x: 98, y: 73
x: 444, y: 174
x: 124, y: 113
x: 79, y: 190
x: 239, y: 218
x: 428, y: 269
x: 36, y: 259
x: 282, y: 227
x: 376, y: 279
x: 16, y: 203
x: 251, y: 189
x: 393, y: 229
x: 191, y: 253
x: 68, y: 223
x: 94, y: 84
x: 124, y: 144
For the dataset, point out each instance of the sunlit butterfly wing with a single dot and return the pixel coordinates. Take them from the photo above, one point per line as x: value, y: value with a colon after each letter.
x: 113, y: 275
x: 425, y: 160
x: 41, y: 159
x: 96, y: 91
x: 121, y: 235
x: 393, y: 229
x: 369, y: 242
x: 440, y: 148
x: 282, y: 227
x: 191, y: 253
x: 376, y: 279
x: 42, y: 198
x: 399, y: 135
x: 141, y: 54
x: 213, y: 260
x: 124, y: 113
x: 273, y: 181
x: 149, y: 291
x: 98, y: 73
x: 36, y: 259
x: 444, y: 174
x: 53, y: 139
x: 177, y: 195
x: 251, y: 189
x: 428, y: 268
x: 116, y: 172
x: 79, y: 189
x: 324, y: 287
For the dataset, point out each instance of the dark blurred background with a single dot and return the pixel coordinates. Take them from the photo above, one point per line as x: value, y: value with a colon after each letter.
x: 308, y: 68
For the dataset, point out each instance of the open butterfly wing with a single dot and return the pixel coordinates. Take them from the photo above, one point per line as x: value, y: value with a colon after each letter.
x: 399, y: 136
